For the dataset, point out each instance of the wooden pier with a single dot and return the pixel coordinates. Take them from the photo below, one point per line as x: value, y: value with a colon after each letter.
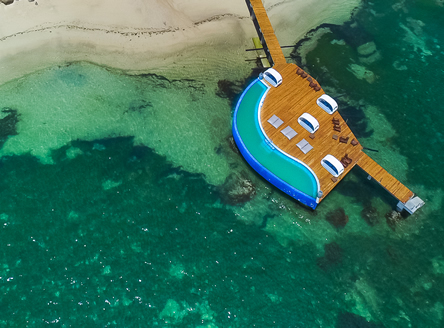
x: 385, y: 179
x: 265, y: 31
x: 297, y: 95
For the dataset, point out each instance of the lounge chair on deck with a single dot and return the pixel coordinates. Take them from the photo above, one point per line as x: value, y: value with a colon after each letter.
x: 275, y: 121
x: 304, y: 146
x: 346, y: 161
x: 343, y: 139
x: 289, y: 132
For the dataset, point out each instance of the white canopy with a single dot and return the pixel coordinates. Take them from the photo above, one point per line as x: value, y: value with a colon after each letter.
x: 308, y: 122
x: 327, y: 103
x: 332, y: 165
x: 273, y: 77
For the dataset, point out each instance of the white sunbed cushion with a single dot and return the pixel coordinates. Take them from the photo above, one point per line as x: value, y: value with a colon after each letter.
x: 289, y: 132
x: 304, y: 146
x: 307, y: 148
x: 275, y: 121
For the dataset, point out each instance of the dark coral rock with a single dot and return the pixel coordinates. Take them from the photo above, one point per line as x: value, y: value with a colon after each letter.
x: 233, y: 145
x: 370, y: 215
x: 337, y: 218
x: 6, y: 2
x: 237, y: 189
x: 8, y: 124
x: 392, y: 219
x: 351, y: 320
x: 332, y: 257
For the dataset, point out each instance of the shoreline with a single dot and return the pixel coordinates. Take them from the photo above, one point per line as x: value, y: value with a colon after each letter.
x: 178, y: 43
x: 173, y: 38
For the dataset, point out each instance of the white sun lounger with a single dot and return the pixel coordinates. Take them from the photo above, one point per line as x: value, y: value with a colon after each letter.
x: 275, y: 121
x: 304, y: 146
x: 289, y: 132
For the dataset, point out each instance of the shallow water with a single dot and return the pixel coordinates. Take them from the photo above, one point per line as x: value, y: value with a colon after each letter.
x: 113, y: 214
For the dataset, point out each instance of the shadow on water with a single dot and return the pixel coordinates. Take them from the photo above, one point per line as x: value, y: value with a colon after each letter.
x: 357, y: 186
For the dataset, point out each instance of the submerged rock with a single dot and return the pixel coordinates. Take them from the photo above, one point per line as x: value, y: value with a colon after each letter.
x: 368, y: 53
x: 370, y: 215
x: 337, y: 218
x: 6, y: 2
x: 362, y: 73
x: 237, y: 189
x: 233, y: 145
x: 392, y: 219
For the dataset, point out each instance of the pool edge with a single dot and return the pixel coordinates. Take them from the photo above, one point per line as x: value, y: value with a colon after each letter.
x: 260, y: 169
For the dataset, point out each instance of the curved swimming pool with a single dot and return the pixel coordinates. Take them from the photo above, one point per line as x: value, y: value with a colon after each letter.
x: 282, y: 171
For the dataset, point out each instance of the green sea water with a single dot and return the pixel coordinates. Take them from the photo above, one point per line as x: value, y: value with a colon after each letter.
x: 124, y: 204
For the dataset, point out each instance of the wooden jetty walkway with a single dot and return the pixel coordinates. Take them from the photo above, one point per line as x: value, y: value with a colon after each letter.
x: 386, y: 180
x: 297, y: 95
x: 266, y: 33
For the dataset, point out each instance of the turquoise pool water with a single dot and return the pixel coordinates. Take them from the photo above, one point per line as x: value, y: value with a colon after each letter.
x: 285, y: 168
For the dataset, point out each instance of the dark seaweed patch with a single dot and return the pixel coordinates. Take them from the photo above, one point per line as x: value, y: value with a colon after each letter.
x: 138, y: 106
x: 351, y: 320
x: 331, y: 258
x: 8, y: 124
x: 229, y: 89
x: 337, y: 218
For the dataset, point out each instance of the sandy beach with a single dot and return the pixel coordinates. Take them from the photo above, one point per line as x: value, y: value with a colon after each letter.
x: 169, y: 37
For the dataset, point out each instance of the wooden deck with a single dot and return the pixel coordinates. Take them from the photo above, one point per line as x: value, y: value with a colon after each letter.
x: 289, y: 101
x: 294, y: 97
x: 267, y: 31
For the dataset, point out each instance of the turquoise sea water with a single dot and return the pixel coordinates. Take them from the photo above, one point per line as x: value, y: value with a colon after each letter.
x: 124, y: 205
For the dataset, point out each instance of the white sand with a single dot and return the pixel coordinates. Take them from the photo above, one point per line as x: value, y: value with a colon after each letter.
x: 193, y: 37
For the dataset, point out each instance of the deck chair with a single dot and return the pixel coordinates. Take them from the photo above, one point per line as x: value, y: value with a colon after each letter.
x: 304, y: 146
x: 289, y: 132
x: 275, y: 121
